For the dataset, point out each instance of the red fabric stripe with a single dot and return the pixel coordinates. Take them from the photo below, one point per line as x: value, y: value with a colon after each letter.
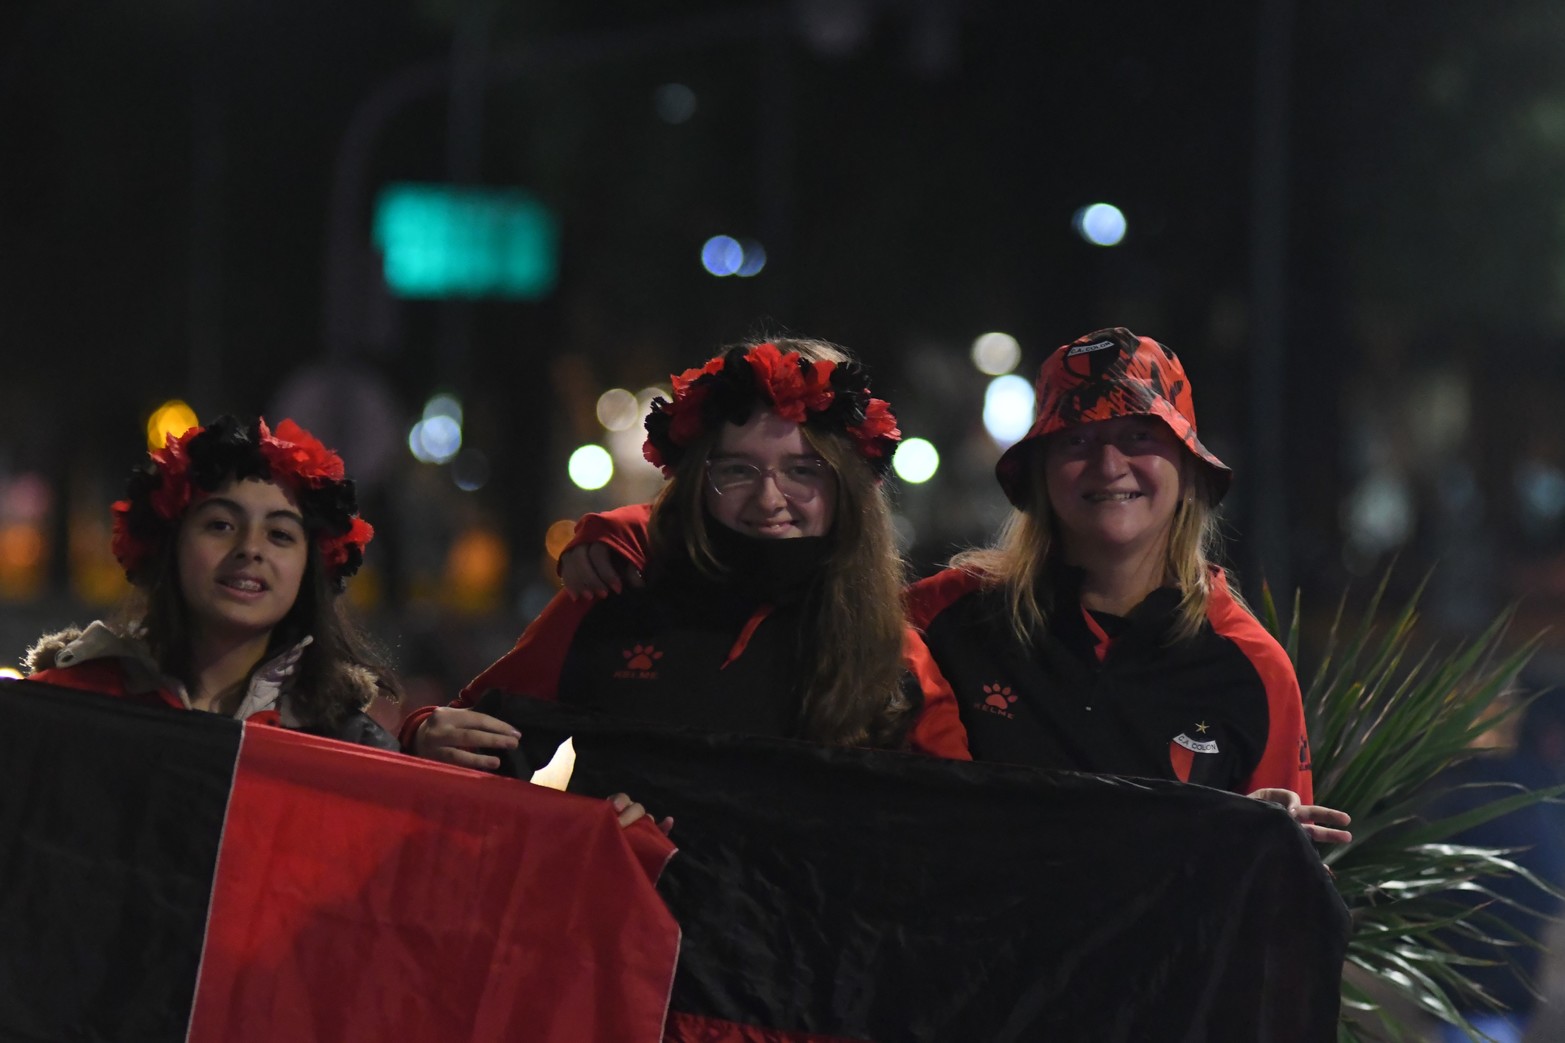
x: 105, y: 677
x: 743, y: 641
x: 694, y: 1028
x: 1103, y: 640
x: 367, y: 896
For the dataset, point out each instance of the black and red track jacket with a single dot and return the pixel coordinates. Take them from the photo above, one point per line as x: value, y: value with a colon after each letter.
x: 1098, y: 693
x: 699, y: 656
x: 1116, y: 695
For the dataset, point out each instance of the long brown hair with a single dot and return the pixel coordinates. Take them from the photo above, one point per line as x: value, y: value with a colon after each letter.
x: 1027, y: 554
x: 855, y: 625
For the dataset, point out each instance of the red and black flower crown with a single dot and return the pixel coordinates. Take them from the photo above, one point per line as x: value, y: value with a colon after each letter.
x: 817, y: 392
x: 159, y: 492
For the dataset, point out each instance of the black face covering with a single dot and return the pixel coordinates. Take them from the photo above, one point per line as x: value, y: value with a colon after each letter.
x: 777, y: 571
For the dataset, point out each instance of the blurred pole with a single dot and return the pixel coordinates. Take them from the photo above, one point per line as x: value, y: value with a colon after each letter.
x: 464, y: 166
x: 775, y: 146
x: 348, y: 255
x: 349, y: 258
x: 204, y: 317
x: 1267, y: 474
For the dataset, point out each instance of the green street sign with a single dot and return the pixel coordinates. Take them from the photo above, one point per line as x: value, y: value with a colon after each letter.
x: 443, y: 241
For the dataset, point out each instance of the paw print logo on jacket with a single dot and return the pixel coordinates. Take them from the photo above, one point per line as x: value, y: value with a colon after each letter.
x: 997, y: 699
x: 640, y: 662
x: 641, y: 657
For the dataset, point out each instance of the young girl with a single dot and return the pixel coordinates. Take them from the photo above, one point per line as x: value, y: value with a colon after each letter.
x: 240, y: 542
x: 773, y: 599
x: 1096, y: 635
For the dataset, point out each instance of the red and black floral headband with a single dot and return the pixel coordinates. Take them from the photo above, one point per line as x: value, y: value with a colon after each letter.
x: 160, y: 491
x: 833, y: 395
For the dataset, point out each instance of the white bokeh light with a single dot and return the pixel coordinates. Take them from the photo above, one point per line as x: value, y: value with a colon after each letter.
x: 618, y: 409
x: 722, y: 255
x: 1008, y: 404
x: 590, y: 467
x: 1101, y: 224
x: 916, y: 461
x: 435, y: 440
x: 996, y: 353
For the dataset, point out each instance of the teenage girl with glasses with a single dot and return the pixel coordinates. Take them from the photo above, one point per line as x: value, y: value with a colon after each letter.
x: 773, y: 601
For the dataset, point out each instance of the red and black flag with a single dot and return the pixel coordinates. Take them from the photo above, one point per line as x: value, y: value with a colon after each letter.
x: 833, y: 895
x: 173, y: 876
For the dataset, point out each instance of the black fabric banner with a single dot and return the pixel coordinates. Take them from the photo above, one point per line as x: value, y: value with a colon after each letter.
x: 103, y: 902
x: 862, y: 895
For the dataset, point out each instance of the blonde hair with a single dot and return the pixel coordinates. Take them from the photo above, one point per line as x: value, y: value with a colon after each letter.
x: 855, y: 621
x: 1027, y: 555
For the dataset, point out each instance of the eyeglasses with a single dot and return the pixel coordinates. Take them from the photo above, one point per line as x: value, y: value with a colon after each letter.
x: 800, y: 480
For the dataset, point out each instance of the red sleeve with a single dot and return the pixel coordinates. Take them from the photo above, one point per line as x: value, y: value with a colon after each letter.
x: 1285, y: 761
x: 623, y: 530
x: 938, y: 732
x: 927, y: 598
x: 531, y: 668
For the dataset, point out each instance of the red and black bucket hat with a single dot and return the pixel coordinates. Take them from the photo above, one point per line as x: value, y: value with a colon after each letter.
x: 1107, y: 374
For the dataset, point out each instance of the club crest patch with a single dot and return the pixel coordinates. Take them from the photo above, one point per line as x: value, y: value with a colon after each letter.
x: 1196, y: 746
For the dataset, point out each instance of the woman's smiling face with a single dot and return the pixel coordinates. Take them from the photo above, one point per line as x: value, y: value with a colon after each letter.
x: 1114, y: 485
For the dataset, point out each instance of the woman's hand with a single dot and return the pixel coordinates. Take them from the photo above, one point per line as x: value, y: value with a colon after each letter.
x: 456, y: 737
x: 1319, y: 823
x: 630, y: 811
x: 593, y: 571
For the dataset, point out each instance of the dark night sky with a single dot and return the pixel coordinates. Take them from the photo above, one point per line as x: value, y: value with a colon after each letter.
x: 167, y: 173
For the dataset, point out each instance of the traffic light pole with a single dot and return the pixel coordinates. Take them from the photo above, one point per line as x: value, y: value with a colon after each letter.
x: 348, y: 260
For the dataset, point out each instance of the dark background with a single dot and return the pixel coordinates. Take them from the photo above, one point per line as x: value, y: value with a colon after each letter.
x: 1349, y: 219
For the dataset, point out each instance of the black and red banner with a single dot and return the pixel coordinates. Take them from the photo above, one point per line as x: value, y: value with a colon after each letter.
x: 171, y: 876
x: 832, y: 895
x: 174, y: 876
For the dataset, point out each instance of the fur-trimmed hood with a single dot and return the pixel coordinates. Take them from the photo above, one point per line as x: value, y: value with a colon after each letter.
x: 41, y: 655
x: 269, y: 683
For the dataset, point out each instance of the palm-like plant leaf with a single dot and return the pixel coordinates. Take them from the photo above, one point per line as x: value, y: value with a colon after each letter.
x: 1385, y: 721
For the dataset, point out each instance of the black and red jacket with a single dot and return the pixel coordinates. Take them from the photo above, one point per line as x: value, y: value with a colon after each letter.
x: 1097, y: 693
x: 695, y: 655
x: 1117, y: 695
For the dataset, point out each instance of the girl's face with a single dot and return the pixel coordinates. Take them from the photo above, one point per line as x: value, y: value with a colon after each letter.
x: 1114, y: 485
x: 765, y: 480
x: 242, y: 553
